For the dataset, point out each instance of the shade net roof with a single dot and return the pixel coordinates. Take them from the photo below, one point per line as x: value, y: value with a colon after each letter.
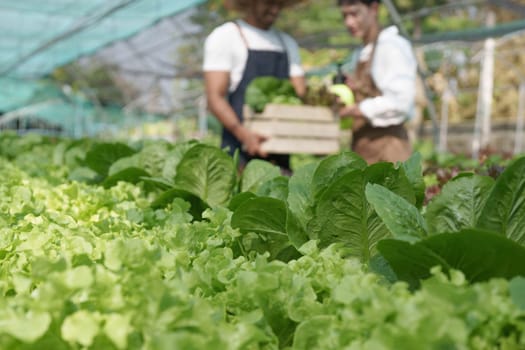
x: 40, y: 35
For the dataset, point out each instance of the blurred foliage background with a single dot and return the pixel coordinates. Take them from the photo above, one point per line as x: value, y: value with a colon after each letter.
x: 318, y: 28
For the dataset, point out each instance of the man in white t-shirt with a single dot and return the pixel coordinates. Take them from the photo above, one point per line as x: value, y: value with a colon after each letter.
x: 383, y: 82
x: 237, y: 52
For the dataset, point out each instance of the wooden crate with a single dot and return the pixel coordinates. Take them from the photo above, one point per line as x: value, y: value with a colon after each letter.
x: 296, y: 129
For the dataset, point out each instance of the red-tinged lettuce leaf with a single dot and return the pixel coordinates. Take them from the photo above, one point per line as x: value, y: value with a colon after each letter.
x: 480, y: 255
x: 101, y: 156
x: 504, y: 211
x: 266, y: 217
x: 402, y: 218
x: 208, y: 173
x: 459, y: 204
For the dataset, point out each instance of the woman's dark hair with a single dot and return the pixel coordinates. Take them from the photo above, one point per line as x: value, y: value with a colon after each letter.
x: 351, y: 2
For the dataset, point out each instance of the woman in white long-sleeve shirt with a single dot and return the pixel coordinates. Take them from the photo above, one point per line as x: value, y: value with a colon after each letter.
x: 383, y: 82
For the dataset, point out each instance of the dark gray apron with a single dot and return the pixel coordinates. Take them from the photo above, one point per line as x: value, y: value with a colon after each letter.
x: 259, y: 63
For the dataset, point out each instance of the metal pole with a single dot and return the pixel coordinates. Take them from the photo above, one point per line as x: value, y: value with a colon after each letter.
x: 396, y: 18
x: 485, y: 91
x: 518, y: 143
x: 488, y: 86
x: 443, y: 130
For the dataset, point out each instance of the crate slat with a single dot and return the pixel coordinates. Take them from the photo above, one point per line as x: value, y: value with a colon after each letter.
x: 273, y: 128
x: 296, y: 129
x: 292, y: 112
x: 305, y: 146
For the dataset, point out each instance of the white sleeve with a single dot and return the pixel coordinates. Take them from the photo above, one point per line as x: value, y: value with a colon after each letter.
x: 292, y: 49
x: 217, y: 53
x: 394, y: 71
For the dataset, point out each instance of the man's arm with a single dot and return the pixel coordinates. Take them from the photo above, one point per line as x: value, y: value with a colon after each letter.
x: 299, y: 84
x: 216, y: 87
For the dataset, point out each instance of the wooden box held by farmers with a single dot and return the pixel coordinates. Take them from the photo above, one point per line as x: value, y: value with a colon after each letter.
x: 295, y: 128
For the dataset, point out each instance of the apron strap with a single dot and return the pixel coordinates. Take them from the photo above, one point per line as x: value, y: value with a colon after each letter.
x: 285, y: 48
x: 242, y: 34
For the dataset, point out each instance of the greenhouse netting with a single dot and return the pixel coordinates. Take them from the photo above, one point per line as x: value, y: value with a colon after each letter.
x: 39, y: 36
x: 42, y: 106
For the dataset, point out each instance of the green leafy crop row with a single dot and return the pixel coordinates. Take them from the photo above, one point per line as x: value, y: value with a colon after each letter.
x: 160, y: 246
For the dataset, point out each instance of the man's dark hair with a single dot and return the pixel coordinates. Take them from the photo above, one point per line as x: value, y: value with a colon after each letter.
x: 351, y: 2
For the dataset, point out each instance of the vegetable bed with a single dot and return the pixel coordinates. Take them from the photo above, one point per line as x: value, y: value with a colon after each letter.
x: 106, y: 245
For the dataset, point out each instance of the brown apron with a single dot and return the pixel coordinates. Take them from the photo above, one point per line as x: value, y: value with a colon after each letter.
x: 376, y: 144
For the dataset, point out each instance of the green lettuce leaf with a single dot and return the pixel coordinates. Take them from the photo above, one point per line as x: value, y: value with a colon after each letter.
x: 504, y: 211
x: 267, y: 217
x: 208, y: 173
x: 480, y: 255
x: 102, y: 155
x: 402, y: 218
x: 257, y: 172
x: 459, y: 204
